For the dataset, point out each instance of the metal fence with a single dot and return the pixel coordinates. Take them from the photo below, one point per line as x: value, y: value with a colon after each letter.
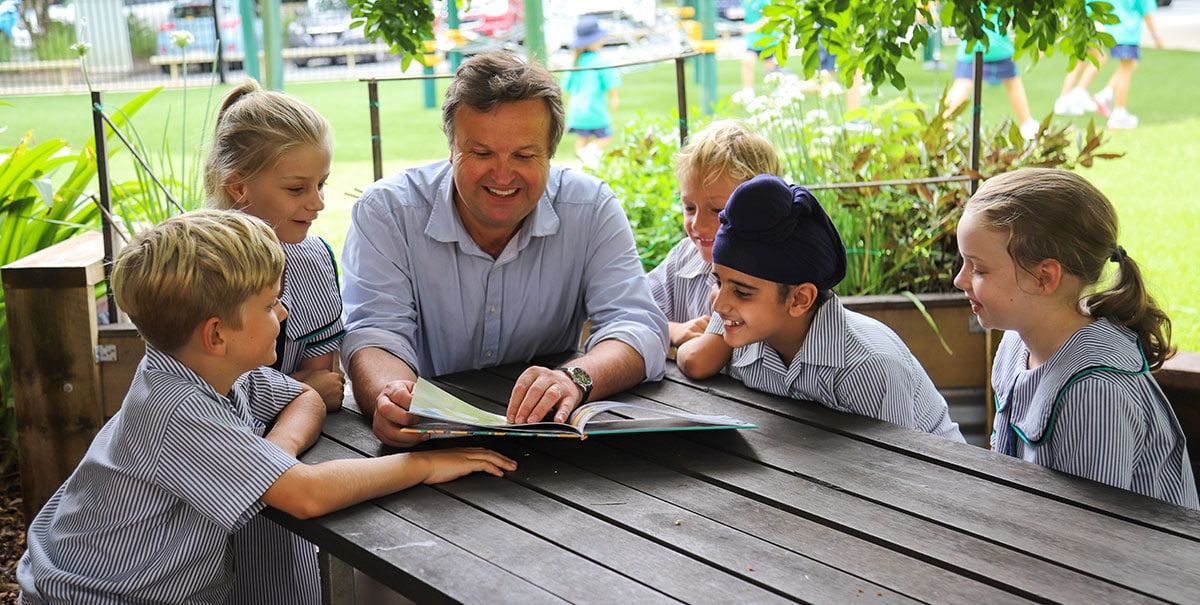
x: 124, y: 39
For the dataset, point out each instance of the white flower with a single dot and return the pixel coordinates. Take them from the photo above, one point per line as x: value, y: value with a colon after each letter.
x: 81, y: 48
x: 182, y: 39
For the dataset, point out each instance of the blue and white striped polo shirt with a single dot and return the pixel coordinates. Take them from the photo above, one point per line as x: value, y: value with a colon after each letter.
x: 1092, y: 410
x: 148, y: 513
x: 275, y: 566
x: 851, y: 363
x: 682, y: 284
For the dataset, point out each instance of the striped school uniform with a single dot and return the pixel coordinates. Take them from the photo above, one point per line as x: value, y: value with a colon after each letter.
x: 682, y: 284
x: 851, y: 363
x: 275, y: 566
x: 1092, y: 410
x: 148, y: 513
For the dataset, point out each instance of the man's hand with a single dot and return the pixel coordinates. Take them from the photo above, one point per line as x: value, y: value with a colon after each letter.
x: 538, y: 391
x: 391, y: 415
x: 684, y: 331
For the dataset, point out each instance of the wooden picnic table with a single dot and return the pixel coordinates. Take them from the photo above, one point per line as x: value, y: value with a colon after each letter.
x: 813, y: 506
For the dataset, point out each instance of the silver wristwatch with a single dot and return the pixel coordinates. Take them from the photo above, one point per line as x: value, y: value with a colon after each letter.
x: 581, y: 379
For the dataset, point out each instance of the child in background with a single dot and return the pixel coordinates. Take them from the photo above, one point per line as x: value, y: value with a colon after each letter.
x: 592, y: 92
x: 998, y: 66
x: 270, y: 158
x: 778, y: 327
x: 753, y: 19
x: 1072, y: 373
x: 148, y: 513
x: 708, y: 168
x: 1128, y: 35
x: 1074, y: 99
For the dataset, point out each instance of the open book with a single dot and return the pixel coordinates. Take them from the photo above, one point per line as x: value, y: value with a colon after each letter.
x: 446, y: 415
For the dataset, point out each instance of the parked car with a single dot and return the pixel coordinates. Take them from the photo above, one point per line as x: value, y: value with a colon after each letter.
x: 484, y: 18
x: 328, y: 24
x: 196, y: 17
x: 731, y: 10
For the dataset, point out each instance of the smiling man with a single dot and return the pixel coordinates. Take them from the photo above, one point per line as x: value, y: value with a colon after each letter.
x: 493, y: 257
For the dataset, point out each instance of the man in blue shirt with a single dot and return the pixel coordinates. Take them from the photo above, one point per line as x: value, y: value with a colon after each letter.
x: 494, y: 257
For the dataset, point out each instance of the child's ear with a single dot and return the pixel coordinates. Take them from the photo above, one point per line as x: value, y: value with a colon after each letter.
x: 210, y: 336
x: 236, y: 190
x: 1049, y: 274
x: 802, y: 298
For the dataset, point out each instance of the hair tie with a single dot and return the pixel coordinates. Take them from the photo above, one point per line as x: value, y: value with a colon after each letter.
x: 1118, y: 255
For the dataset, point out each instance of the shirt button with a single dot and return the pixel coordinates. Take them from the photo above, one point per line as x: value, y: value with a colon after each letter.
x: 492, y: 310
x: 488, y: 354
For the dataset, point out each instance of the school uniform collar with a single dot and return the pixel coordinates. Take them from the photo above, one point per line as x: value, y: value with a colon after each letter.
x: 306, y: 258
x: 446, y: 226
x: 1100, y: 346
x: 825, y: 344
x: 693, y: 265
x: 158, y: 361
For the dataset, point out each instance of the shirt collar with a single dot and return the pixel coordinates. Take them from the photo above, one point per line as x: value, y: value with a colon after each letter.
x: 693, y: 264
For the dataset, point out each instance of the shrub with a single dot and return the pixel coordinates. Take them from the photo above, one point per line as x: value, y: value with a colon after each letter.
x: 898, y: 227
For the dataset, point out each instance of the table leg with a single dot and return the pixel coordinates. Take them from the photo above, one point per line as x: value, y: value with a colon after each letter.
x: 337, y: 580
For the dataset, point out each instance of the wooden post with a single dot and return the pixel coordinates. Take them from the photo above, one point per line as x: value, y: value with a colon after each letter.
x: 52, y: 325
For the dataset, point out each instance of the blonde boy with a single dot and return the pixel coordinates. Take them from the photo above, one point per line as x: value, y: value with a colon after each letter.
x: 778, y: 327
x: 148, y: 513
x: 708, y: 168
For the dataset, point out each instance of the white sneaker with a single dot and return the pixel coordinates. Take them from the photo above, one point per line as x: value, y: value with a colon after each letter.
x: 1122, y: 119
x: 1083, y: 101
x: 1030, y: 129
x: 1066, y: 106
x: 1104, y: 101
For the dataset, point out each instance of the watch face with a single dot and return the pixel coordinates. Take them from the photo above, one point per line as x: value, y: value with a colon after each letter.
x: 579, y: 377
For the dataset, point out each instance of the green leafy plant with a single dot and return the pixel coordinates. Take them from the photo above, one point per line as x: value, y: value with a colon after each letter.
x: 640, y: 170
x: 877, y: 170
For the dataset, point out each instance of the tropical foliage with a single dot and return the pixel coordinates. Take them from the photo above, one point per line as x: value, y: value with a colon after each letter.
x: 47, y: 196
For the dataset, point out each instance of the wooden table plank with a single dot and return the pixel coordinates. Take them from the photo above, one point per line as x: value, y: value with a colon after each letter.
x: 1004, y: 469
x: 933, y: 493
x: 406, y: 558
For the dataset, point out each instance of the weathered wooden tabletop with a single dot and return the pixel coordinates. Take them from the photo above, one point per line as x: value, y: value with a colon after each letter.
x: 813, y: 506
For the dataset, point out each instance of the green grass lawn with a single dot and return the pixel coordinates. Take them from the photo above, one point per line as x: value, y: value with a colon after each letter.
x: 1155, y: 187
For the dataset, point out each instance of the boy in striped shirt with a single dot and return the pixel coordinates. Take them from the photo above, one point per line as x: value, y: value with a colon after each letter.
x: 778, y: 327
x: 206, y: 437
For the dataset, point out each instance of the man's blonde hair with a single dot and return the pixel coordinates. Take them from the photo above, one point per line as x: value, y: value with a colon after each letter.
x: 190, y: 268
x: 726, y: 148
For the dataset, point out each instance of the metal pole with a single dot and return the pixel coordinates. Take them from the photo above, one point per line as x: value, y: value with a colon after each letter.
x: 106, y: 225
x: 976, y: 112
x: 272, y: 45
x: 249, y: 39
x: 376, y: 138
x: 681, y: 98
x: 219, y: 51
x: 454, y: 34
x: 535, y: 38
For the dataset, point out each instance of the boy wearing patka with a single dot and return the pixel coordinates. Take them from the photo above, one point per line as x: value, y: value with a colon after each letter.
x: 778, y: 327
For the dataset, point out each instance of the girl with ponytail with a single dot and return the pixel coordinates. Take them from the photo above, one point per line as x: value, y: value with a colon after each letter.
x: 1072, y: 374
